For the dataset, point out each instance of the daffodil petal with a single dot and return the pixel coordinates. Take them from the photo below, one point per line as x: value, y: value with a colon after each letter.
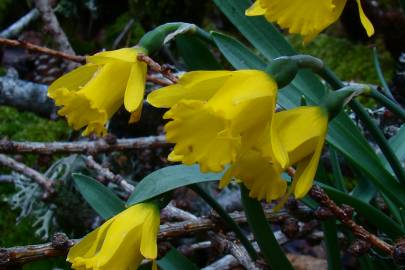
x: 150, y: 230
x: 365, y: 21
x: 260, y: 176
x: 128, y: 55
x: 255, y: 9
x: 306, y: 170
x: 136, y: 115
x: 196, y: 85
x: 135, y: 87
x: 89, y: 245
x: 75, y: 79
x: 299, y: 129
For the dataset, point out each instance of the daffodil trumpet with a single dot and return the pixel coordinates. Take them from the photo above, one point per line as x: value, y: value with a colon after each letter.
x: 215, y: 114
x: 89, y: 95
x: 307, y: 18
x: 121, y: 243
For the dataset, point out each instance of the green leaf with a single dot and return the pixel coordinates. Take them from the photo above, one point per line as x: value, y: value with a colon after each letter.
x: 167, y: 179
x: 332, y: 245
x: 174, y: 260
x: 397, y: 143
x: 231, y: 48
x: 343, y: 134
x: 195, y: 54
x: 271, y: 250
x: 100, y: 198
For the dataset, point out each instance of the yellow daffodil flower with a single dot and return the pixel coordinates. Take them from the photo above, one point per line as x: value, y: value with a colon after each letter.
x: 302, y: 133
x: 307, y: 18
x: 121, y: 243
x: 91, y: 94
x: 213, y: 112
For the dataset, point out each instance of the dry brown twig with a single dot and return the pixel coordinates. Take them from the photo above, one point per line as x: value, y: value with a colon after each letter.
x: 21, y: 168
x: 24, y: 254
x: 223, y: 244
x: 319, y: 195
x: 39, y: 49
x: 154, y: 66
x: 102, y: 145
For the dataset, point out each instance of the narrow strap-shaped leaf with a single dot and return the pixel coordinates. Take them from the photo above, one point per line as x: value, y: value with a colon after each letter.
x: 339, y: 182
x: 169, y: 178
x: 100, y: 198
x: 232, y: 48
x: 332, y: 245
x: 174, y: 260
x: 271, y: 250
x: 195, y: 54
x: 380, y: 75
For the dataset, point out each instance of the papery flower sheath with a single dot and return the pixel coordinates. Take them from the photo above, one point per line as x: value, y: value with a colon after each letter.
x: 212, y: 112
x: 91, y: 94
x: 121, y: 243
x: 302, y: 133
x: 307, y: 18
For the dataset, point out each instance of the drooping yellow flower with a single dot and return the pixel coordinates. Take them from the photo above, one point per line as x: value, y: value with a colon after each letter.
x: 307, y: 18
x: 213, y: 112
x: 302, y: 133
x: 121, y: 243
x: 91, y: 94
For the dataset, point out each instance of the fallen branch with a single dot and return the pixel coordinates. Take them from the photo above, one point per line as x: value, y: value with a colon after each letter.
x: 26, y: 96
x: 16, y: 166
x: 14, y: 29
x: 53, y: 26
x: 6, y: 179
x: 60, y: 243
x: 108, y: 175
x: 82, y: 147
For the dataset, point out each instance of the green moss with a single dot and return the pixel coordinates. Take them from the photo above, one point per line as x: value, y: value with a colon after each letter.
x: 25, y: 126
x: 350, y: 61
x: 28, y: 126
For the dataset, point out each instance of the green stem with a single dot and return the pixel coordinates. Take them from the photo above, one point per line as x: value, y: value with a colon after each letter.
x: 271, y: 250
x: 380, y: 75
x: 153, y: 40
x: 391, y: 105
x: 332, y: 245
x: 337, y: 172
x: 228, y: 220
x: 396, y: 166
